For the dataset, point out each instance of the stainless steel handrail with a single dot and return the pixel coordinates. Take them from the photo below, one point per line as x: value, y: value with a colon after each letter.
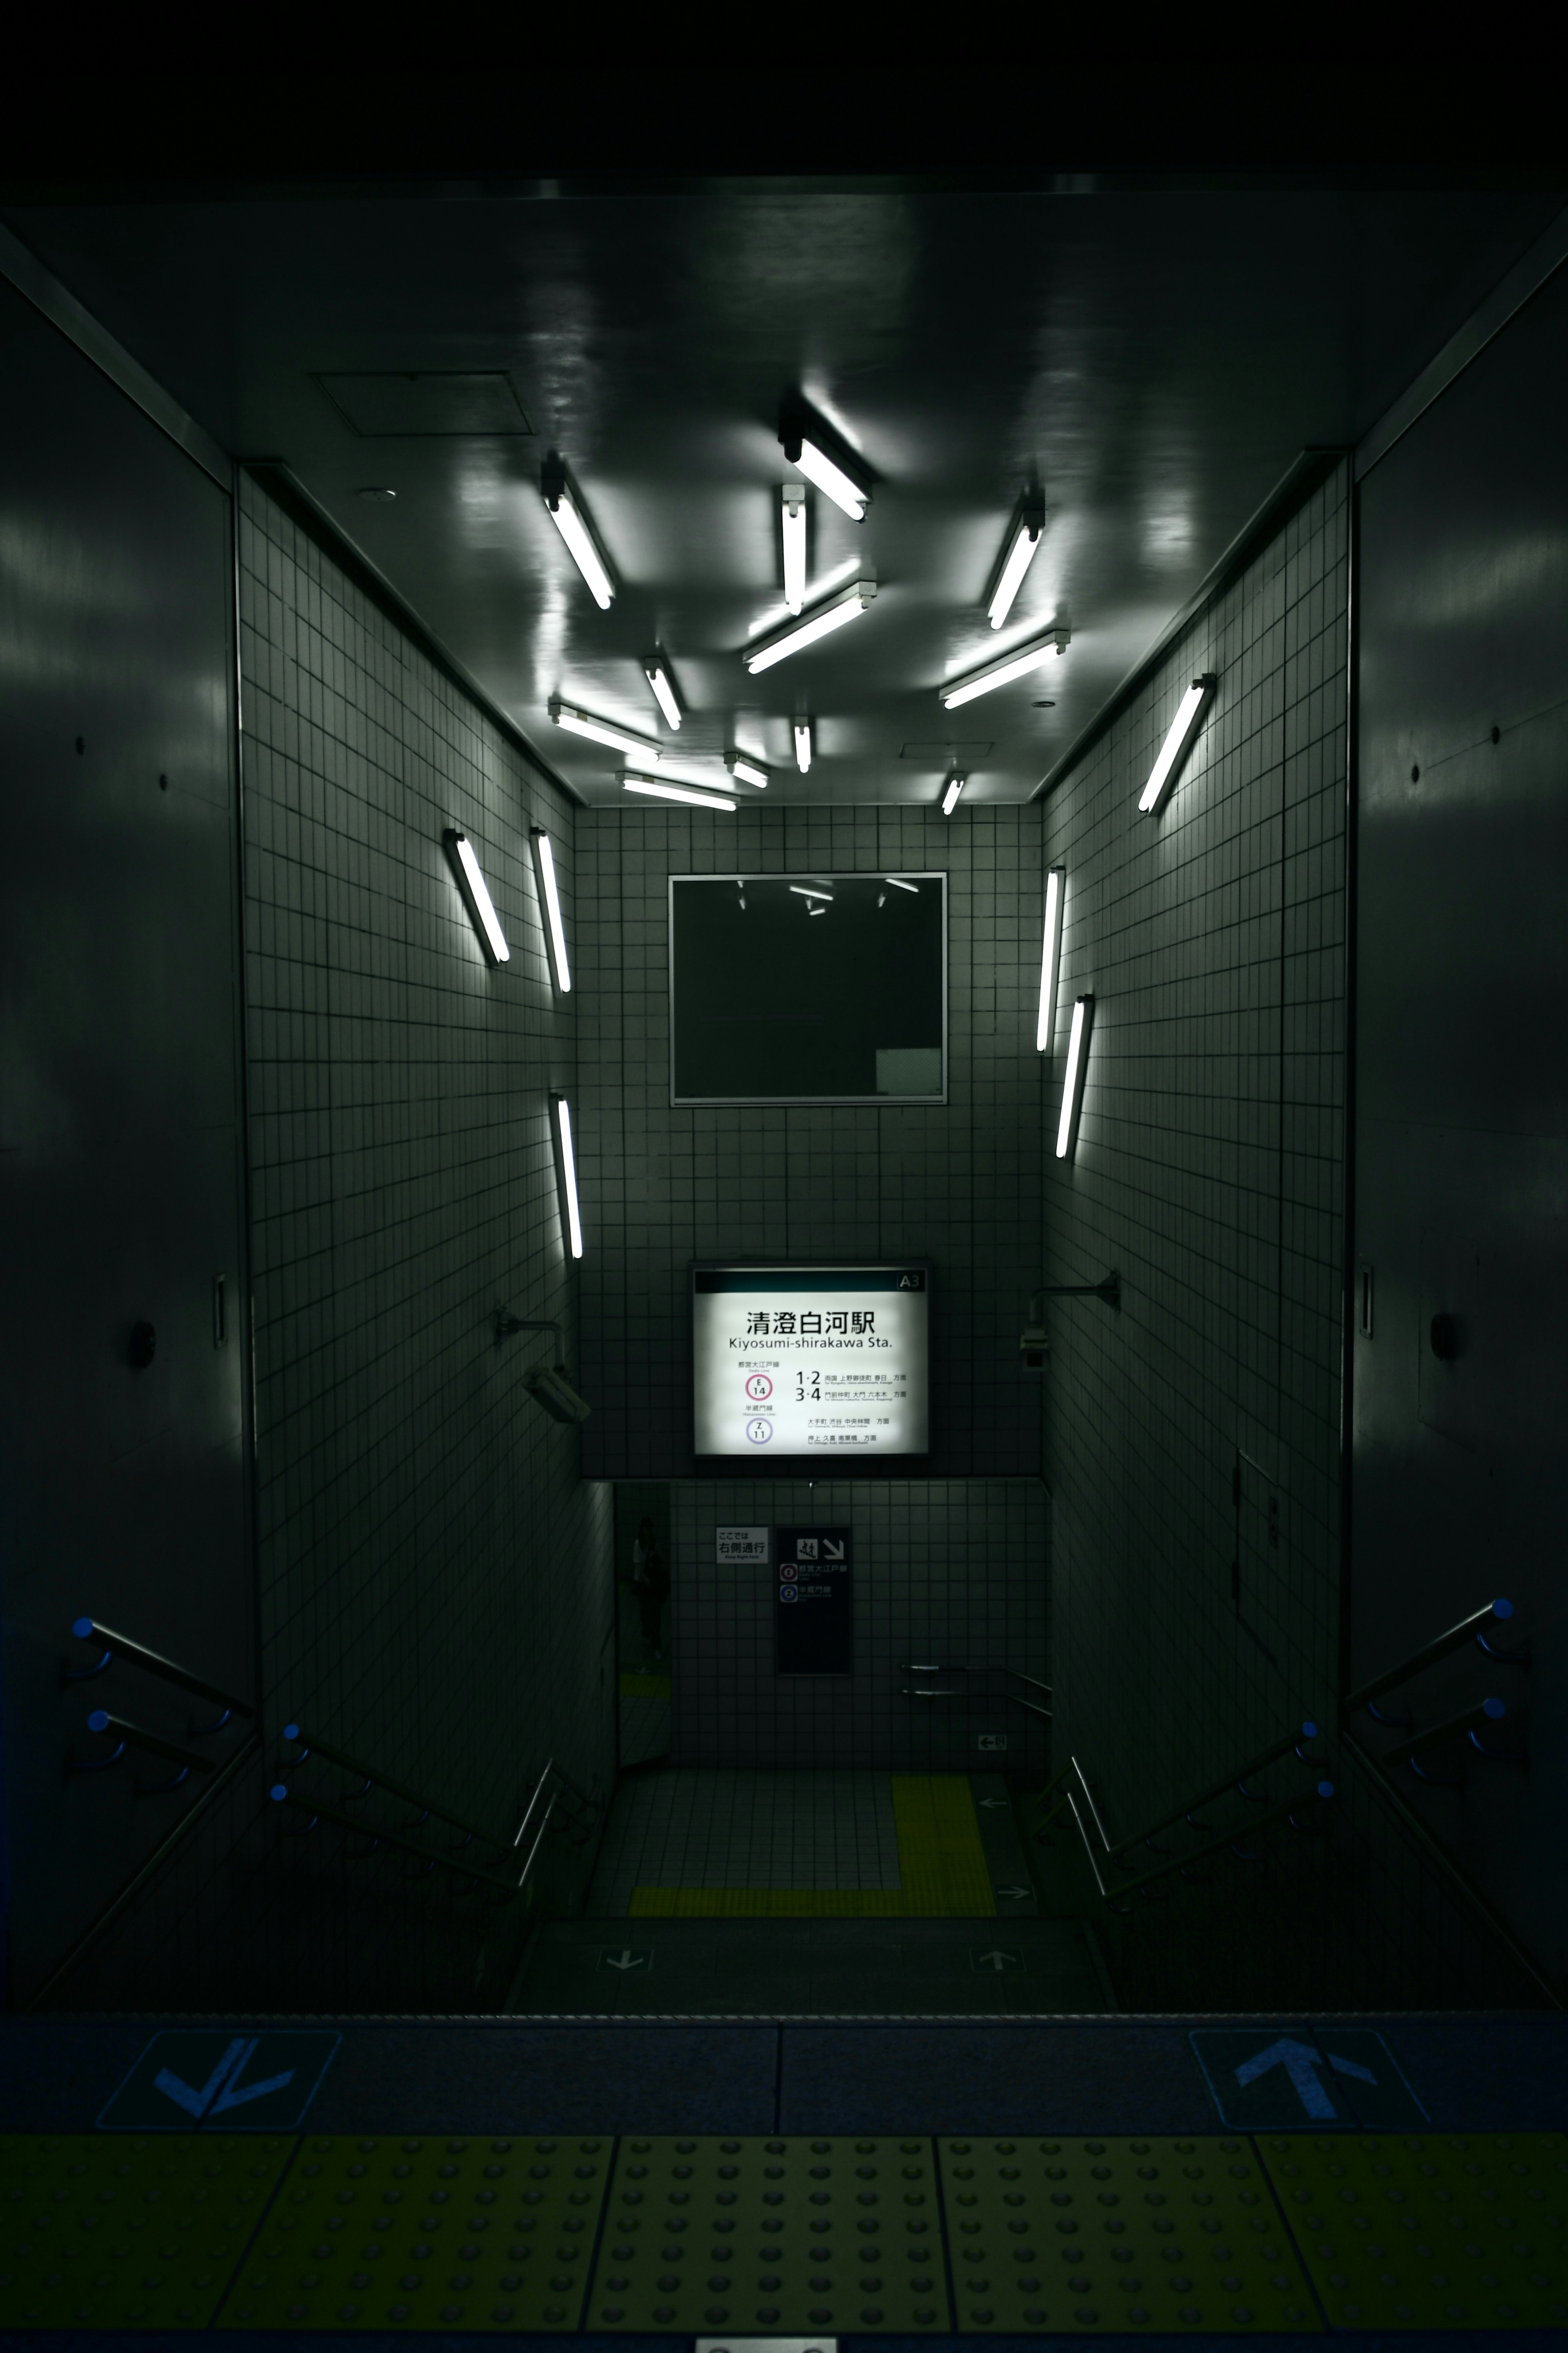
x: 373, y: 1777
x: 971, y: 1667
x: 1179, y: 1863
x: 320, y: 1810
x: 1236, y: 1781
x: 1473, y: 1628
x: 151, y: 1663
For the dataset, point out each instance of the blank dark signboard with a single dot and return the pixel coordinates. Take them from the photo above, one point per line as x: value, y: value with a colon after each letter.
x: 808, y: 988
x: 813, y: 1606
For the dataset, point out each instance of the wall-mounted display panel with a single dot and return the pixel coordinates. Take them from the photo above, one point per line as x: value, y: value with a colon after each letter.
x: 808, y: 988
x: 805, y: 1363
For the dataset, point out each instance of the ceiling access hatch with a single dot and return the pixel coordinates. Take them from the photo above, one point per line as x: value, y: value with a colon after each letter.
x: 430, y: 403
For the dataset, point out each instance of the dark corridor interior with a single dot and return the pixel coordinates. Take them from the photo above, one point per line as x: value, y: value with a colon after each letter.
x: 781, y: 1483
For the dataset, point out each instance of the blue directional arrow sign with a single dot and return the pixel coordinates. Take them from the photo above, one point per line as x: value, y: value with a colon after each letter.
x: 239, y: 2082
x: 1291, y: 2079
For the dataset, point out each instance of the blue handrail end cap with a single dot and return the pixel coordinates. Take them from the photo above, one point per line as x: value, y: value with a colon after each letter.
x: 99, y: 1720
x: 278, y: 1792
x: 1308, y: 1730
x: 82, y: 1627
x: 1325, y: 1788
x: 1502, y: 1609
x: 1493, y: 1707
x: 291, y: 1732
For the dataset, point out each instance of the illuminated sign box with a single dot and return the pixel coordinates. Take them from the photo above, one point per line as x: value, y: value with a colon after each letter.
x: 810, y: 1363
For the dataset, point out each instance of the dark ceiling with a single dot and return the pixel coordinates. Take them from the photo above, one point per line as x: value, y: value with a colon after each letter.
x: 1157, y: 360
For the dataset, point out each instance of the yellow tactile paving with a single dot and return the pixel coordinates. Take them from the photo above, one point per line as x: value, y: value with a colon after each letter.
x: 121, y: 2231
x: 942, y: 1871
x: 1090, y: 2237
x: 1429, y: 2230
x: 427, y: 2233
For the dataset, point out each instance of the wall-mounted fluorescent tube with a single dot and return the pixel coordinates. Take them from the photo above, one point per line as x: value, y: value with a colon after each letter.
x: 566, y: 1176
x: 746, y: 770
x: 793, y: 522
x: 544, y: 859
x: 847, y: 606
x: 805, y: 890
x: 803, y: 742
x: 1072, y: 1085
x: 602, y: 731
x: 1004, y: 671
x: 817, y: 467
x: 899, y: 885
x: 688, y: 794
x: 950, y: 795
x: 570, y: 517
x: 1183, y: 728
x: 1028, y: 530
x: 1050, y: 959
x: 481, y: 906
x: 658, y: 676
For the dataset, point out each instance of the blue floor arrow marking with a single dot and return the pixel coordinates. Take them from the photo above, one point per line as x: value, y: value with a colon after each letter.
x: 1300, y: 2063
x: 196, y: 2102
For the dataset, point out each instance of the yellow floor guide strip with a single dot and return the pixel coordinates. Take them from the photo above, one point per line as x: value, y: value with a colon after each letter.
x: 942, y: 1868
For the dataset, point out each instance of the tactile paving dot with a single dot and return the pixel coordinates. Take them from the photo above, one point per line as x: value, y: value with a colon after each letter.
x: 115, y: 2231
x: 785, y: 2236
x: 426, y: 2233
x: 1117, y: 2235
x: 1432, y: 2230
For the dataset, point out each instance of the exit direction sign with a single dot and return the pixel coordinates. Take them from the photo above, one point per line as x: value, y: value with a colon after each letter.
x: 813, y: 1606
x: 234, y: 2081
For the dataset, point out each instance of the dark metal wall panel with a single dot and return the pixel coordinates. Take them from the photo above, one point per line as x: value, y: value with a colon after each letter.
x: 123, y: 1492
x: 1460, y: 1474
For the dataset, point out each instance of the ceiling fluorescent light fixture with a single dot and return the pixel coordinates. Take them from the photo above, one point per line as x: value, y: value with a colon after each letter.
x: 1183, y: 728
x: 566, y: 1175
x: 828, y: 475
x: 656, y: 670
x: 804, y: 891
x: 602, y: 731
x: 793, y: 521
x: 951, y: 792
x: 570, y: 517
x: 544, y: 860
x: 847, y: 606
x: 1072, y: 1085
x: 1050, y: 959
x: 747, y: 771
x: 1017, y: 557
x: 1002, y: 673
x: 481, y: 905
x: 899, y: 885
x: 686, y: 794
x: 803, y: 745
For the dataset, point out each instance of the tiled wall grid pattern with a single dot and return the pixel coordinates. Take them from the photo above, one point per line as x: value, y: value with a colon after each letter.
x: 961, y: 1183
x: 1209, y: 1171
x: 951, y: 1570
x: 435, y: 1575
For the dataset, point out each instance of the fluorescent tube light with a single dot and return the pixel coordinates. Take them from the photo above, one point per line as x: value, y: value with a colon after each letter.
x: 746, y: 770
x: 1050, y: 959
x: 847, y: 606
x: 949, y: 797
x: 804, y: 891
x: 545, y: 859
x: 658, y: 677
x: 900, y: 886
x: 803, y: 745
x: 1002, y: 673
x: 566, y: 1176
x: 817, y: 910
x: 817, y: 467
x: 481, y: 906
x: 1072, y: 1085
x: 793, y: 520
x: 602, y: 731
x: 688, y: 794
x: 1182, y: 730
x: 571, y: 520
x: 1028, y: 529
